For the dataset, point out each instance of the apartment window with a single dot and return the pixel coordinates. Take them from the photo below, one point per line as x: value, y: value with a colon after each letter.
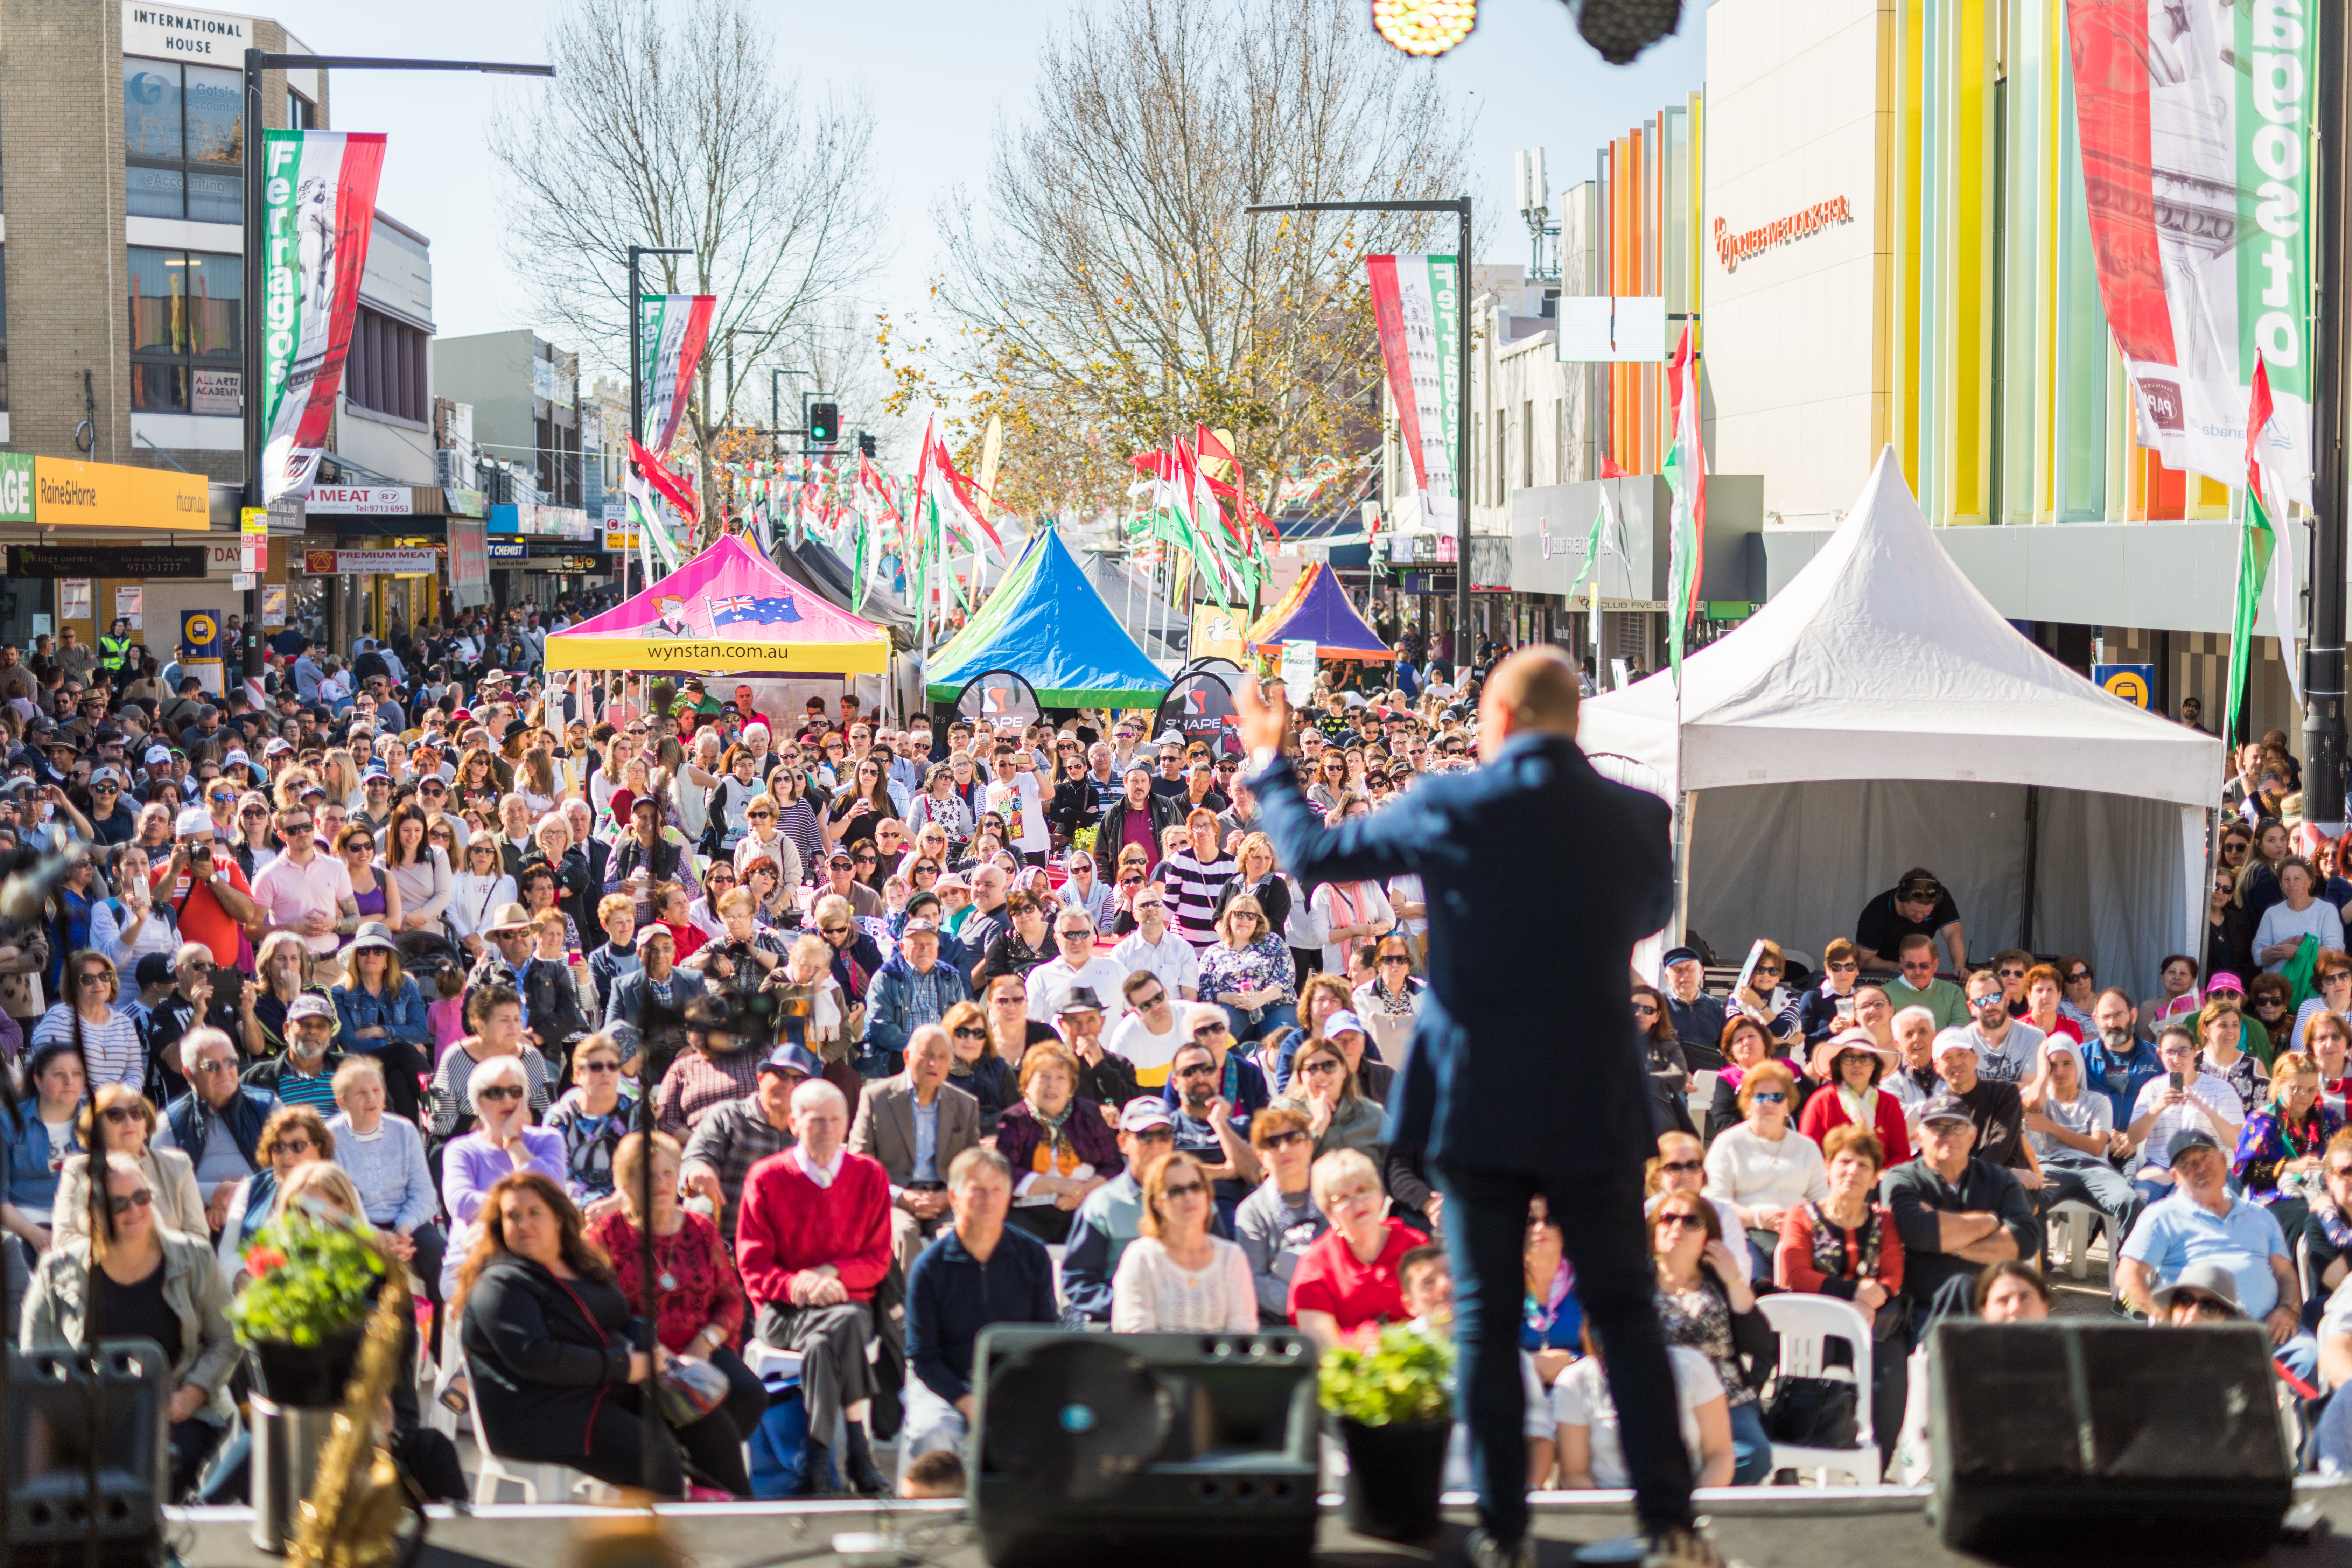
x: 1502, y: 492
x: 183, y: 141
x: 385, y: 372
x: 302, y: 114
x: 187, y: 323
x: 1527, y: 445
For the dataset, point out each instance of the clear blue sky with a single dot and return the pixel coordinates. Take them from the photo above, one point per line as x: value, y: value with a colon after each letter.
x: 940, y: 75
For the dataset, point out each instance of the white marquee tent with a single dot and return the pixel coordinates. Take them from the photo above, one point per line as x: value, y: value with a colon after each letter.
x: 1880, y: 714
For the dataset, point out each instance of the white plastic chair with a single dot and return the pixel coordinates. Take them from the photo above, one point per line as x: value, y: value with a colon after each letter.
x: 541, y: 1480
x: 1805, y: 1324
x: 2072, y: 1221
x: 2303, y: 1265
x: 1701, y: 1095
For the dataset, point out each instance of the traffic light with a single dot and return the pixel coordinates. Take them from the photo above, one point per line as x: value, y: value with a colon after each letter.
x: 864, y: 445
x: 824, y: 423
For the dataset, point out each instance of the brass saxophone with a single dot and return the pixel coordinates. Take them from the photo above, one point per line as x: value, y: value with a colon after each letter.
x: 352, y: 1517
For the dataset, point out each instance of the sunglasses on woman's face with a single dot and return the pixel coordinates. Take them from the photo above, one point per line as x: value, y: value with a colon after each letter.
x: 1680, y: 1167
x: 1646, y: 1010
x: 508, y: 1092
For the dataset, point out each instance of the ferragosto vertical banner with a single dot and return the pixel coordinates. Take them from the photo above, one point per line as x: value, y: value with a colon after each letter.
x: 317, y: 211
x: 2196, y: 123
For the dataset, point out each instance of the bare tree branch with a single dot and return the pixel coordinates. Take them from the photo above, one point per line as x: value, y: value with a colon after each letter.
x: 1107, y: 291
x: 673, y: 128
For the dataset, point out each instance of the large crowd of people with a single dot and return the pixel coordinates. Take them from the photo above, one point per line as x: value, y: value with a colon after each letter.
x: 939, y: 1024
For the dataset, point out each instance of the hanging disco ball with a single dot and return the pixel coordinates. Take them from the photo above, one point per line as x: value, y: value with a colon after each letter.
x: 1620, y: 29
x: 1425, y: 26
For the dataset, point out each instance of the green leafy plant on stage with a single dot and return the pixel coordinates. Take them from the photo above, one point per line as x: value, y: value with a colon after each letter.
x: 1398, y: 1376
x: 311, y: 1276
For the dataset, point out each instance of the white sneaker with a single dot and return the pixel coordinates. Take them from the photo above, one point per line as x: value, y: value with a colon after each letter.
x: 1484, y: 1552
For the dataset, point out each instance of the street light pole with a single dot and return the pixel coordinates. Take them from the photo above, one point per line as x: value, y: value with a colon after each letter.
x: 257, y: 61
x: 637, y: 380
x: 1460, y: 207
x: 2323, y: 681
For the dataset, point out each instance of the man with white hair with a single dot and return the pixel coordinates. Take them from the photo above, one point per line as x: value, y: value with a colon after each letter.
x: 813, y: 1243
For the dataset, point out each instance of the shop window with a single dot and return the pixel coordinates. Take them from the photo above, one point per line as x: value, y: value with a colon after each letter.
x: 385, y: 370
x: 183, y: 141
x: 186, y: 331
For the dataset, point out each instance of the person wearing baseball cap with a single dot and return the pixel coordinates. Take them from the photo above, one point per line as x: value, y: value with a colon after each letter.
x: 1917, y: 905
x: 1956, y: 1212
x: 2203, y: 1222
x: 304, y: 1073
x: 1112, y: 1214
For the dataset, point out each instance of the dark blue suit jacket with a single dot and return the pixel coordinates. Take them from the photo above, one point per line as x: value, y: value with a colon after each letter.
x: 1531, y: 863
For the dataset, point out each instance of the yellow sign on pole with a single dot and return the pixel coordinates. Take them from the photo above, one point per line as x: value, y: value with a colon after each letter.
x: 1216, y: 633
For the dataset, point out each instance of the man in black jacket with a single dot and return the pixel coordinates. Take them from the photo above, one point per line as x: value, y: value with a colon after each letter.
x: 1140, y: 808
x: 1507, y: 1097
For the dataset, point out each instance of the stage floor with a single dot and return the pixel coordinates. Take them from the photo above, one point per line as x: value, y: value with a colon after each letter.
x: 1774, y: 1527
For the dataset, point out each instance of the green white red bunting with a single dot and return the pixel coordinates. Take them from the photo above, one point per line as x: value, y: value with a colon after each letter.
x: 671, y: 330
x: 1685, y: 473
x: 1414, y: 306
x: 317, y: 211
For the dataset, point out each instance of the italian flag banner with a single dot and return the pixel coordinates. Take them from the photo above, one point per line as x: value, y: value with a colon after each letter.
x: 671, y: 330
x: 317, y: 211
x: 1414, y: 306
x: 2197, y: 124
x: 1685, y: 473
x: 2257, y: 543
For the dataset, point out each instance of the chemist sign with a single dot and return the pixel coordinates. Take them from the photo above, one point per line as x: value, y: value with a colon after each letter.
x: 2132, y: 682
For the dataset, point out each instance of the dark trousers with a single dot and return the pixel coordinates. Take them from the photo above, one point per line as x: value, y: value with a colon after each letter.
x: 1600, y: 1220
x: 831, y: 1343
x: 617, y: 1449
x: 747, y: 1396
x: 425, y: 1273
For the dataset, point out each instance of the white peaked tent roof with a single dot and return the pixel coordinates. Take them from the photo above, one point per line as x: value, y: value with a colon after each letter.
x: 1880, y: 661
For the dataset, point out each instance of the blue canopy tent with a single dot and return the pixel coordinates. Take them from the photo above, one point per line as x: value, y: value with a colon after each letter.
x: 1047, y: 623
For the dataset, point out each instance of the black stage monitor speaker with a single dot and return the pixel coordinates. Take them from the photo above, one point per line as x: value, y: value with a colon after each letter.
x: 49, y: 1425
x: 2111, y: 1438
x: 1096, y: 1449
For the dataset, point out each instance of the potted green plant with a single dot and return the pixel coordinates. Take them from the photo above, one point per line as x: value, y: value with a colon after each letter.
x: 312, y: 1281
x: 1391, y: 1395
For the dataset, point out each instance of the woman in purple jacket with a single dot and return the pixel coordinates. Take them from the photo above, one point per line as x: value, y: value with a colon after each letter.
x: 1058, y: 1145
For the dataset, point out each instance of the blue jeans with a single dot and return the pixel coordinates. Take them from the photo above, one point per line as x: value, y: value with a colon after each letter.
x: 1281, y: 1016
x: 1751, y: 1448
x: 1600, y: 1223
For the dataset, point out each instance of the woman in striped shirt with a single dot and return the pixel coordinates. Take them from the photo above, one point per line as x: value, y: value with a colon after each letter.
x: 110, y: 1040
x: 1196, y: 877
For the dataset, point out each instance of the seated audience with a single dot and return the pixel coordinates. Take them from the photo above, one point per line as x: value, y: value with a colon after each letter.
x: 1175, y: 1277
x: 550, y: 1343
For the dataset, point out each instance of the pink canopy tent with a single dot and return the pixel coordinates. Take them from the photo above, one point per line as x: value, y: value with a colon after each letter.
x: 727, y: 611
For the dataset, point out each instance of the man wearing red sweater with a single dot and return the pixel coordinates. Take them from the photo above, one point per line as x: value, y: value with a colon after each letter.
x: 812, y: 1242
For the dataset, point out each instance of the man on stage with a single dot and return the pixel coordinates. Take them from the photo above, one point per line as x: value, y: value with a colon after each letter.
x: 1507, y: 1096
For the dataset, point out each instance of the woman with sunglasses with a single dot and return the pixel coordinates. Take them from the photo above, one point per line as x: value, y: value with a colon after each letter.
x: 861, y: 806
x: 1763, y: 1166
x: 977, y: 1069
x: 797, y: 823
x: 2280, y: 1149
x: 1705, y: 1303
x: 1322, y: 1089
x: 162, y: 1285
x: 1246, y: 971
x: 498, y: 1090
x: 1278, y: 1221
x: 1770, y: 1003
x: 1073, y: 805
x: 2229, y: 935
x: 1745, y: 1047
x: 1669, y: 1069
x: 1176, y: 1276
x: 293, y: 1136
x: 117, y: 1120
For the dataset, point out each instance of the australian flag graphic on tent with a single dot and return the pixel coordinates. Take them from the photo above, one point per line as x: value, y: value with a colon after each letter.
x: 733, y: 609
